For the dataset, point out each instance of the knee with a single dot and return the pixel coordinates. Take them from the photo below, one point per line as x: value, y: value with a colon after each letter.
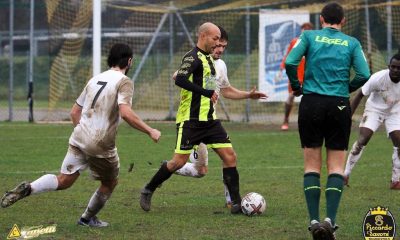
x: 109, y: 185
x: 66, y: 181
x: 230, y: 158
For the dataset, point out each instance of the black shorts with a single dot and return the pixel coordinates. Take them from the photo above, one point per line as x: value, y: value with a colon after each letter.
x: 324, y: 118
x: 192, y: 133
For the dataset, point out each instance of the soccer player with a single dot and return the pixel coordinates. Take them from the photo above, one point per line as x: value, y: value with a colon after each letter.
x: 197, y: 167
x: 96, y: 116
x: 324, y: 111
x: 382, y: 106
x: 300, y: 73
x: 196, y: 119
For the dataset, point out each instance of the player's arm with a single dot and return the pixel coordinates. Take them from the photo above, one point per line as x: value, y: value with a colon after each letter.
x: 188, y: 66
x: 135, y: 121
x: 125, y: 94
x: 234, y: 93
x: 356, y: 101
x: 76, y: 112
x: 292, y: 62
x: 361, y: 69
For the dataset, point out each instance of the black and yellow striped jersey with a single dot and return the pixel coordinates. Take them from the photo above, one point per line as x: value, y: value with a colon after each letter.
x: 197, y: 67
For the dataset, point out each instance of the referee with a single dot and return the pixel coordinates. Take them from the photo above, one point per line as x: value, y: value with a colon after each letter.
x: 324, y: 111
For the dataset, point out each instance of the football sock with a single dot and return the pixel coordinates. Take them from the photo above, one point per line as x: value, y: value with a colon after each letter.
x: 354, y: 156
x: 189, y: 169
x: 395, y: 165
x: 96, y: 203
x: 227, y: 195
x: 161, y: 175
x: 333, y: 192
x: 312, y: 191
x: 231, y: 179
x: 45, y: 183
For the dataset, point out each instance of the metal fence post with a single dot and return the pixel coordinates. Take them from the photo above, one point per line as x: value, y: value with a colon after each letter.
x: 248, y: 63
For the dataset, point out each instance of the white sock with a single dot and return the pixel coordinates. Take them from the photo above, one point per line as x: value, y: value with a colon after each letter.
x: 189, y: 169
x: 96, y: 203
x: 45, y: 183
x: 395, y: 165
x: 354, y: 156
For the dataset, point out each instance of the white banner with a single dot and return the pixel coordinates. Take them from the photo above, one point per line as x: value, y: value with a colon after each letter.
x: 277, y: 29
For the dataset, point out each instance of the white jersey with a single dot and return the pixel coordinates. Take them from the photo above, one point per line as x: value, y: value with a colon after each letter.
x: 384, y: 94
x: 221, y: 73
x: 97, y: 129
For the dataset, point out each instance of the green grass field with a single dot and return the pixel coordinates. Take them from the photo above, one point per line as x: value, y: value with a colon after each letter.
x: 269, y: 162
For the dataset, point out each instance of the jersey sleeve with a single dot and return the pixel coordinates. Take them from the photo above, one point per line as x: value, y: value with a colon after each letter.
x: 222, y: 80
x: 372, y: 84
x: 293, y: 60
x: 125, y: 91
x: 81, y: 99
x: 188, y: 66
x: 361, y: 68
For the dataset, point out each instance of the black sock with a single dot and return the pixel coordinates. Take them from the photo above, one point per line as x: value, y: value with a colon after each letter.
x: 231, y: 178
x: 161, y: 175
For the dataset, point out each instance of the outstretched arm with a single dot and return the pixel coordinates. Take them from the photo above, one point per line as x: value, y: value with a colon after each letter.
x: 233, y: 93
x: 136, y: 122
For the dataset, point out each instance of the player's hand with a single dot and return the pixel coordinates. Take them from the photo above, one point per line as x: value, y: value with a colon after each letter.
x: 298, y: 92
x: 155, y: 134
x: 254, y: 94
x: 214, y: 97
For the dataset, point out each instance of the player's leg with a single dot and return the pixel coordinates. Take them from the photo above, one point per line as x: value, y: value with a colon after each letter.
x: 163, y: 174
x: 180, y: 157
x: 106, y: 170
x: 336, y: 135
x: 311, y: 181
x: 393, y: 129
x: 288, y: 109
x: 311, y: 137
x: 369, y: 124
x: 197, y: 167
x: 72, y: 164
x: 230, y: 176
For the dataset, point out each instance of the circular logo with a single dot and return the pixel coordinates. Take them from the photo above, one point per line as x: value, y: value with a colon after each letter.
x: 379, y: 224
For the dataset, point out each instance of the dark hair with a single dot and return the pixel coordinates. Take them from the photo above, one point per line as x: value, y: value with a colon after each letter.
x: 332, y: 13
x: 119, y: 55
x: 224, y: 34
x: 307, y: 26
x: 396, y: 56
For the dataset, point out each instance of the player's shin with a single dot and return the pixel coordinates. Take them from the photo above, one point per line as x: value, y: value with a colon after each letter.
x: 161, y: 175
x: 231, y: 179
x: 354, y: 156
x: 96, y: 203
x: 312, y: 193
x: 333, y: 193
x: 395, y: 165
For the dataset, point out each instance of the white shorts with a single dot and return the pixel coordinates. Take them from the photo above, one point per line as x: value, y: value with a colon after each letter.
x: 373, y: 120
x: 76, y: 160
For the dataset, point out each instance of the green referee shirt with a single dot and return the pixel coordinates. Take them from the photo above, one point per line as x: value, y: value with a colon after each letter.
x: 329, y: 54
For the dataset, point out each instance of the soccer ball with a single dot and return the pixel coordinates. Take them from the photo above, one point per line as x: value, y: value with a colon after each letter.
x: 253, y: 204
